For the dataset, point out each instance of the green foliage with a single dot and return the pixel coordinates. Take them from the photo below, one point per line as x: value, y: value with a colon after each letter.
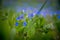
x: 37, y: 28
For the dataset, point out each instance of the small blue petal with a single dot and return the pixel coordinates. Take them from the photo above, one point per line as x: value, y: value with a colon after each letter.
x: 16, y: 23
x: 58, y: 17
x: 24, y: 23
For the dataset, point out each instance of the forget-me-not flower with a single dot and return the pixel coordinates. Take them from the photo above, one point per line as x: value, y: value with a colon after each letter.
x: 24, y: 23
x: 16, y: 24
x: 20, y: 17
x: 58, y: 17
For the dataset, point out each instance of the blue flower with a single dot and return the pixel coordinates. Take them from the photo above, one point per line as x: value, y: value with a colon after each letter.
x: 58, y: 12
x: 16, y: 23
x: 24, y: 23
x: 38, y: 13
x: 20, y: 17
x: 30, y: 15
x: 58, y: 17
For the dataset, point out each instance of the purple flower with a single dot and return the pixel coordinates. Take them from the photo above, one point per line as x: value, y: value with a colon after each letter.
x: 20, y: 17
